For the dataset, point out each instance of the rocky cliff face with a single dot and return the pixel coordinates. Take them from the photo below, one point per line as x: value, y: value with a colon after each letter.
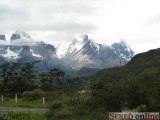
x: 2, y: 37
x: 84, y: 52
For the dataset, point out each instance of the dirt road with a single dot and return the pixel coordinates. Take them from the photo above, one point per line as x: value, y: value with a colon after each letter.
x: 18, y: 109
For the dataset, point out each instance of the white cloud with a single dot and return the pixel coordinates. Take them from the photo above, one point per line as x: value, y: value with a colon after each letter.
x: 106, y: 21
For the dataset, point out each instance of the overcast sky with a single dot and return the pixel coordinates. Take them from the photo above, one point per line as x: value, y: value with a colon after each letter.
x: 106, y: 21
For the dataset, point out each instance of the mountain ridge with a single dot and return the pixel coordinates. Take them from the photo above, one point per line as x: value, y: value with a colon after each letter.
x: 81, y: 52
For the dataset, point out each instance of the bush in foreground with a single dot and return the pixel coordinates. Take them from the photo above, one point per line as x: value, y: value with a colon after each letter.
x: 33, y: 95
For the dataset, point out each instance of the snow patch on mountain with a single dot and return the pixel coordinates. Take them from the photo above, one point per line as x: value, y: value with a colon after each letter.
x: 36, y: 55
x: 11, y: 54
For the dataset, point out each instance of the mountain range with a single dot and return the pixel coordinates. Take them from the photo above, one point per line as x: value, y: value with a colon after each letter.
x: 81, y: 52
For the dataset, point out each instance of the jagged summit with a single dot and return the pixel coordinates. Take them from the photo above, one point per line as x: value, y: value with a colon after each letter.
x: 85, y: 52
x: 123, y: 49
x: 83, y: 37
x: 20, y: 35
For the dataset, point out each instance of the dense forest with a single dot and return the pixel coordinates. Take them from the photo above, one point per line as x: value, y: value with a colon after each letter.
x: 133, y: 87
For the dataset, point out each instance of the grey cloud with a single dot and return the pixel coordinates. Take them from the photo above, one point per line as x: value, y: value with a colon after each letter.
x: 51, y: 15
x: 64, y: 6
x: 71, y: 27
x: 68, y: 27
x: 7, y: 12
x: 71, y: 7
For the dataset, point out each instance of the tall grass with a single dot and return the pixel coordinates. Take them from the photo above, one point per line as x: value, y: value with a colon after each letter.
x: 25, y: 103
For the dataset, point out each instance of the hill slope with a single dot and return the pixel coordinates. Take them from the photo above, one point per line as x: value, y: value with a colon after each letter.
x: 135, y: 84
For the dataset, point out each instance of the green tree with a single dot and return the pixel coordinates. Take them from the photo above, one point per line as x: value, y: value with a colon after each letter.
x: 17, y: 77
x: 7, y: 71
x: 26, y: 78
x: 108, y: 96
x: 135, y: 94
x: 51, y: 79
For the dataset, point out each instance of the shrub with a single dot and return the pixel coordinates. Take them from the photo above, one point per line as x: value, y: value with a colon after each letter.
x: 59, y: 111
x: 20, y: 116
x: 4, y: 116
x: 142, y: 108
x: 33, y: 95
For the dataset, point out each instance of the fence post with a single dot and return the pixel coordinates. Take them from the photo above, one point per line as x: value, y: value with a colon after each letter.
x: 43, y: 100
x: 2, y: 98
x: 16, y: 99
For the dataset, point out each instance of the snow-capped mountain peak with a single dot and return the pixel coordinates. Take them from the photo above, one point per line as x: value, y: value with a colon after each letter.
x: 83, y: 51
x: 126, y: 45
x: 76, y: 54
x: 68, y: 47
x: 82, y: 38
x: 20, y: 38
x: 20, y: 35
x: 123, y: 50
